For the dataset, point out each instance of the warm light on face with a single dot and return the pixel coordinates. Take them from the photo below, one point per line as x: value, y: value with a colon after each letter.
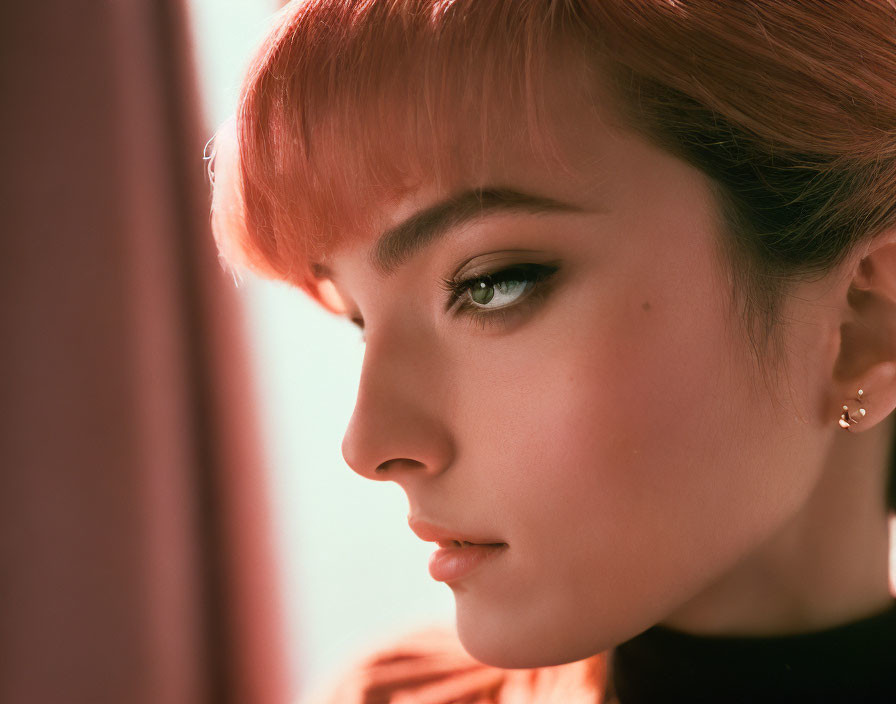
x: 574, y: 382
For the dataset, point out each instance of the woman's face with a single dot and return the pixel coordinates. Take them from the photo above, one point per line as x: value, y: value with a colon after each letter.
x: 599, y: 410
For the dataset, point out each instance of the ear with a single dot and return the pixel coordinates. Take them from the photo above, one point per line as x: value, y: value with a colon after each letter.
x: 867, y: 353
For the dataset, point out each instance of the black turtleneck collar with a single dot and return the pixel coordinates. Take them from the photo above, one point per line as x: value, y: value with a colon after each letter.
x: 854, y: 662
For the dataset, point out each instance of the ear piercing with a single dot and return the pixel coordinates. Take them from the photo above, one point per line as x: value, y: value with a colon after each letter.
x: 846, y: 419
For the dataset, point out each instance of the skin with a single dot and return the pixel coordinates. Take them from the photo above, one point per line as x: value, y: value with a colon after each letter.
x: 617, y: 433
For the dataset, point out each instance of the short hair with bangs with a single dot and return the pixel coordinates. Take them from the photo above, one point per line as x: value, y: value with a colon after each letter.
x: 788, y: 107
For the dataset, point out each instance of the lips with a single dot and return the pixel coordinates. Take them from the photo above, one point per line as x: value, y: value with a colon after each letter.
x: 449, y: 537
x: 463, y: 543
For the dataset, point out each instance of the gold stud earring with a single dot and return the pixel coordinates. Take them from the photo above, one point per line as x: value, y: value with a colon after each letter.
x: 846, y: 419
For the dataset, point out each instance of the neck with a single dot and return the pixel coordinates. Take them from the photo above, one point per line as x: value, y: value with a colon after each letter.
x: 826, y: 566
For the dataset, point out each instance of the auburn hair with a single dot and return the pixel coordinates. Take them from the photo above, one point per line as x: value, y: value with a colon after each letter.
x: 788, y: 106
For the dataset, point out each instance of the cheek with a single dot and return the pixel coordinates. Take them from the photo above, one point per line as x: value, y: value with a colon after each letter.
x: 618, y: 461
x: 632, y: 465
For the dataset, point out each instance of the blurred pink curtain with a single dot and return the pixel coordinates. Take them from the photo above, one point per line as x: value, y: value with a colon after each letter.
x: 135, y: 551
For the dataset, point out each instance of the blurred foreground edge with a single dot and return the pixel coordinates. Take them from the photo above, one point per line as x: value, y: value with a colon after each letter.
x: 135, y: 549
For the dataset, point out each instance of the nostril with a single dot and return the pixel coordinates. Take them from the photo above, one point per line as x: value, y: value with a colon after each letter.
x: 383, y: 467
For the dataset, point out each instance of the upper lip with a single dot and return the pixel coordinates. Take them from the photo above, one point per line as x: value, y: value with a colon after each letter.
x: 436, y: 534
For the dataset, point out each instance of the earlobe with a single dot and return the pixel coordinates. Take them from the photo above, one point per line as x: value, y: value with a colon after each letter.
x: 865, y: 371
x: 870, y: 405
x: 846, y: 420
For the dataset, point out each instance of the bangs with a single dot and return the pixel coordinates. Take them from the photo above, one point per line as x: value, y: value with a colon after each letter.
x: 349, y: 106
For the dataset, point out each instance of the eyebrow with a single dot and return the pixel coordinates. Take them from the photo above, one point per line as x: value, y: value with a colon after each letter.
x: 399, y: 243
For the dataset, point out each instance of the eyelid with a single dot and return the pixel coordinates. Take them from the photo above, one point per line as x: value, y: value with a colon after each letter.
x: 458, y: 289
x: 538, y: 273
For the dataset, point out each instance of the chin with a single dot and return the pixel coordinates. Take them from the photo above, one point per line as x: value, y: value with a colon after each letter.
x: 518, y: 644
x: 498, y: 649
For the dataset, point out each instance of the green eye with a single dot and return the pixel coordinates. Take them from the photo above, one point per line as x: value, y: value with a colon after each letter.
x: 498, y: 291
x: 508, y: 290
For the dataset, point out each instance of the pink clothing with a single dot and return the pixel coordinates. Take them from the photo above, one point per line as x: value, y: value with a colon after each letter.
x: 431, y: 667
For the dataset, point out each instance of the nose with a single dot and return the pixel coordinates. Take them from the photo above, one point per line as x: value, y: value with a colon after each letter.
x: 399, y: 427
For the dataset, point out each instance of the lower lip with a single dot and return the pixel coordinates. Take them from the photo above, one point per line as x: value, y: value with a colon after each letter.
x: 448, y: 564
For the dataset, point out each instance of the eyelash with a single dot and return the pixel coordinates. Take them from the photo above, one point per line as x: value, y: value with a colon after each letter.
x: 536, y: 274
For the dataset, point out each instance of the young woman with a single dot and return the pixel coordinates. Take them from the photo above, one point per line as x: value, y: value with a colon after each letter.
x: 626, y: 273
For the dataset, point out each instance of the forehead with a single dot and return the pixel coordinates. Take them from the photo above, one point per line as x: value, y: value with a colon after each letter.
x: 569, y: 161
x: 354, y: 112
